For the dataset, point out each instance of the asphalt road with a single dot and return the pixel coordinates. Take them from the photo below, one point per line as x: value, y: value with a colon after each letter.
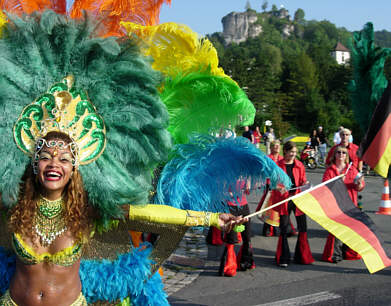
x: 345, y: 283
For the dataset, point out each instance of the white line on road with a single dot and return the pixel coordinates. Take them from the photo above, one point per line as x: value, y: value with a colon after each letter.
x: 305, y: 300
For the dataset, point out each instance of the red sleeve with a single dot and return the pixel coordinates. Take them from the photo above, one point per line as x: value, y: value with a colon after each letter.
x: 303, y: 178
x: 328, y: 174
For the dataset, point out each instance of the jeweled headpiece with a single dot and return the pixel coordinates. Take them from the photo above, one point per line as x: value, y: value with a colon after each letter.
x: 66, y: 109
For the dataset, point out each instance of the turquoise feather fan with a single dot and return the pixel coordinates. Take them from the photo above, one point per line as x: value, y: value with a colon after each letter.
x: 201, y: 173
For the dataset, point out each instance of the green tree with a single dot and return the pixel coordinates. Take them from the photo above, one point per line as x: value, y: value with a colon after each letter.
x: 299, y: 16
x: 264, y: 5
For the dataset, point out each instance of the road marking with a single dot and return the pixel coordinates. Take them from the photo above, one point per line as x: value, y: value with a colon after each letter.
x: 305, y: 300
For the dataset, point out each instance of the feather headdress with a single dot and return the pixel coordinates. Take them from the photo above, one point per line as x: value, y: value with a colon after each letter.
x: 39, y: 51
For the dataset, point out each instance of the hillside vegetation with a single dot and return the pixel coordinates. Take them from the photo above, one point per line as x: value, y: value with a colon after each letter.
x: 292, y: 79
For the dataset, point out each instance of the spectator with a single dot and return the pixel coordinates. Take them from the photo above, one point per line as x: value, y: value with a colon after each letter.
x: 257, y: 136
x: 314, y: 139
x: 270, y: 137
x: 351, y: 147
x: 337, y: 137
x: 335, y: 250
x: 230, y: 132
x: 248, y: 134
x: 295, y: 170
x: 322, y: 144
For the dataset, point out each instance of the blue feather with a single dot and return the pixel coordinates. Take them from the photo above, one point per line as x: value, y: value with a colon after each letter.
x: 7, y: 269
x: 201, y: 173
x: 104, y: 280
x: 128, y: 275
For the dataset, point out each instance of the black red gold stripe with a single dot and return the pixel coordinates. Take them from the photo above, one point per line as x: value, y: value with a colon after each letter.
x: 331, y: 207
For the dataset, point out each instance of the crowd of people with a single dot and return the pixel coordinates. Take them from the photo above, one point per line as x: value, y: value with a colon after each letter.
x: 341, y: 158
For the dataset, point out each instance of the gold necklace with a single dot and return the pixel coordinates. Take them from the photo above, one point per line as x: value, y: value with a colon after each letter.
x: 49, y: 220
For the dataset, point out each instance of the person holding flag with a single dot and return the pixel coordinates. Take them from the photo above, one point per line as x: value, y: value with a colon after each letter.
x: 345, y: 135
x: 334, y: 250
x: 296, y: 172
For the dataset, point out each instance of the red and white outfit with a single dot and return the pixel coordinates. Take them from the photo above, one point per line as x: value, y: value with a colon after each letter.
x: 296, y: 172
x: 352, y: 150
x: 334, y: 249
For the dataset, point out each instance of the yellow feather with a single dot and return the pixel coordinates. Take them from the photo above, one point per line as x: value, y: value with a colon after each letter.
x: 3, y: 21
x: 175, y: 48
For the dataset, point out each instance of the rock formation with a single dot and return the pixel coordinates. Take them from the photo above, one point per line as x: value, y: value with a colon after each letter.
x: 238, y: 27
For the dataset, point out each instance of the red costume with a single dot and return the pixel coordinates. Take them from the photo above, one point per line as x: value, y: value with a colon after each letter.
x: 352, y: 150
x: 334, y: 249
x: 275, y: 158
x: 302, y: 252
x: 229, y: 262
x: 300, y: 179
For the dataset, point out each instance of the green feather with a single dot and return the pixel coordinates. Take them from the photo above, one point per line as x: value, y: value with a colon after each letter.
x: 201, y: 102
x: 39, y: 50
x: 369, y: 81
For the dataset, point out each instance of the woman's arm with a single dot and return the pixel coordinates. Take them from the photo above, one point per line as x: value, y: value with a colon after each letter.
x: 170, y: 215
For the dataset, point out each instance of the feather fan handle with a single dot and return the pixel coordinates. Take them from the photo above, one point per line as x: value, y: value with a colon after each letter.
x: 176, y: 48
x: 369, y: 80
x: 202, y: 172
x: 205, y: 100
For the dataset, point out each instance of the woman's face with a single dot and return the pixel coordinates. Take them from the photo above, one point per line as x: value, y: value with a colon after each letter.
x: 275, y: 148
x: 340, y: 155
x: 289, y: 156
x: 54, y: 168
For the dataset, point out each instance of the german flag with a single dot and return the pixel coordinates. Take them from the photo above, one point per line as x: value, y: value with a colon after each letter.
x: 375, y: 149
x: 331, y: 207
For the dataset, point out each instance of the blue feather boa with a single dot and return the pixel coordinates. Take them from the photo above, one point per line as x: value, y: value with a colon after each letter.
x: 201, y: 172
x: 7, y: 269
x: 106, y: 280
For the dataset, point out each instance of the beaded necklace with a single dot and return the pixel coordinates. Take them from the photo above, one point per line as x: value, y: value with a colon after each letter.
x: 49, y: 220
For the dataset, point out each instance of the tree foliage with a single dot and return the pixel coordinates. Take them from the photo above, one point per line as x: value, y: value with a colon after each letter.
x: 293, y: 80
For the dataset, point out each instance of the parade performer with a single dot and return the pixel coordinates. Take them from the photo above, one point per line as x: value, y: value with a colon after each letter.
x: 83, y: 128
x: 229, y: 262
x: 334, y: 250
x: 295, y: 170
x: 271, y: 218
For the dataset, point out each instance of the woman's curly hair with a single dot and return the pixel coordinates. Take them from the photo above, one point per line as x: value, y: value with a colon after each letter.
x: 78, y: 214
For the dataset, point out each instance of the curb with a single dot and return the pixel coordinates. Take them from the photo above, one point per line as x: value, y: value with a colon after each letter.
x: 187, y: 262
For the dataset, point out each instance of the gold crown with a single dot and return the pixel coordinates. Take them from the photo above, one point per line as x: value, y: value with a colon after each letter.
x: 66, y: 109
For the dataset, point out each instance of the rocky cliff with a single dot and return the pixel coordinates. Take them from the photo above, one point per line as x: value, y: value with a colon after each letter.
x: 238, y: 27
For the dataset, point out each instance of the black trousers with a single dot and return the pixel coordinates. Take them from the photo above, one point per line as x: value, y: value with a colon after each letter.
x: 231, y: 237
x: 284, y: 231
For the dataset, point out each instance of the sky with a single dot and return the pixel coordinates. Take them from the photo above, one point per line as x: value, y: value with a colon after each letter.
x: 204, y: 16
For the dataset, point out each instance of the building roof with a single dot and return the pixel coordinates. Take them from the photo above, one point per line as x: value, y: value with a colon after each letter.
x: 341, y: 47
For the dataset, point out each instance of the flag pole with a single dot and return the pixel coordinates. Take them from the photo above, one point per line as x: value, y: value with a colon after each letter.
x: 294, y: 196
